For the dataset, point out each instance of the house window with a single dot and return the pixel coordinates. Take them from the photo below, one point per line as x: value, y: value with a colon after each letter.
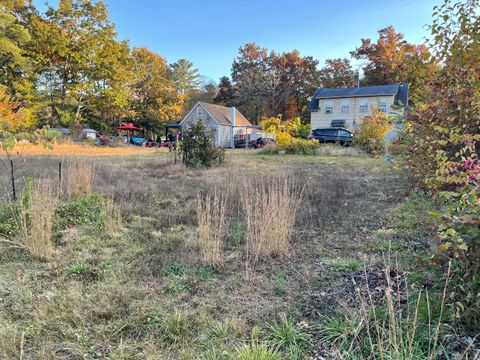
x: 199, y: 111
x: 363, y: 106
x: 383, y: 105
x: 329, y: 107
x: 345, y: 106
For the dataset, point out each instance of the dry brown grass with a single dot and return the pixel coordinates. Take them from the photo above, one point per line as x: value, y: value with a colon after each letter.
x: 212, y: 226
x: 75, y: 149
x: 77, y: 178
x: 35, y: 218
x: 123, y: 297
x: 270, y: 205
x: 113, y: 222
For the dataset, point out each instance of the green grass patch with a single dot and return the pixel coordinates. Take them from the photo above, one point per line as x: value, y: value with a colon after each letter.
x: 174, y: 268
x: 344, y: 264
x: 8, y: 222
x: 206, y: 272
x: 82, y: 210
x: 77, y: 269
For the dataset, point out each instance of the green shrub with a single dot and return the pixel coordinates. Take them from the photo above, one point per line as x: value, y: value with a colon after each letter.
x: 443, y: 146
x: 460, y: 233
x: 293, y: 146
x: 198, y: 150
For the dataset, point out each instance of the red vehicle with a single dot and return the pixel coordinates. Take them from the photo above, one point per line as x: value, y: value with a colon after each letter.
x: 151, y: 144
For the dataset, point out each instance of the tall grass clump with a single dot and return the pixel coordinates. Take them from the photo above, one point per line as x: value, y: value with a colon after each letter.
x: 77, y: 178
x: 212, y: 226
x: 35, y: 217
x: 270, y: 205
x: 257, y: 352
x: 287, y: 337
x: 113, y: 222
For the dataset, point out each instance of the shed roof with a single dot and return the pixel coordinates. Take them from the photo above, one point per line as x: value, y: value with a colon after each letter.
x: 222, y: 114
x: 400, y: 91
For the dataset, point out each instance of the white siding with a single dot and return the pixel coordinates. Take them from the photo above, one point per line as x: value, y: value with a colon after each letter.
x: 211, y: 126
x: 224, y: 136
x: 221, y: 133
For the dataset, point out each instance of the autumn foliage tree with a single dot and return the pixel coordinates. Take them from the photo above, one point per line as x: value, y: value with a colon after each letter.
x: 155, y: 96
x: 12, y: 117
x: 391, y: 59
x: 15, y: 65
x: 271, y: 84
x: 81, y: 66
x: 337, y: 73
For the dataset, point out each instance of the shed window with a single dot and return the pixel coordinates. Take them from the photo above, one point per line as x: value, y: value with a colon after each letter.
x: 329, y: 107
x: 363, y: 106
x: 199, y: 111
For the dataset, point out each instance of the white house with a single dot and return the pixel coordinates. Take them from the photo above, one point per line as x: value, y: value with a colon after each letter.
x: 346, y: 107
x: 222, y: 122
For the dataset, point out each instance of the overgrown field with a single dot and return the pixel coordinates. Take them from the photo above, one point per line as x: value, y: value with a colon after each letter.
x: 128, y: 278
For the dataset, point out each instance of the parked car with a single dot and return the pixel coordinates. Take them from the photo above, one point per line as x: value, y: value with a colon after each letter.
x: 333, y: 135
x: 138, y: 141
x: 253, y: 144
x: 261, y: 142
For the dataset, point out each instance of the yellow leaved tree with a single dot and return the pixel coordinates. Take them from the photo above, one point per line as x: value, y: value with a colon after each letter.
x: 372, y: 132
x: 290, y: 136
x: 13, y: 117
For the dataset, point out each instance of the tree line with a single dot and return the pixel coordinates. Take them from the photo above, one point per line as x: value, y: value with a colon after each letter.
x: 266, y: 84
x: 67, y: 67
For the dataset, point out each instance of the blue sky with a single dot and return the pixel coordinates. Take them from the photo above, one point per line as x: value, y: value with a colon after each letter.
x: 209, y: 32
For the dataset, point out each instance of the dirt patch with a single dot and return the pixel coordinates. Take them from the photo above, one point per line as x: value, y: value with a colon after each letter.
x: 371, y: 285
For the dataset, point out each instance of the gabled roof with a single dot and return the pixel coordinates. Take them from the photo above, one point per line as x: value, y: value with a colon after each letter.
x: 400, y: 91
x: 222, y: 114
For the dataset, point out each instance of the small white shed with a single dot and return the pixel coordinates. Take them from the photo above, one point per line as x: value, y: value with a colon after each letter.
x: 223, y: 122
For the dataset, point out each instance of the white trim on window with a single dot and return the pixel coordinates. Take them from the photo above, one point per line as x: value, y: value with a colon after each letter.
x: 363, y: 108
x: 383, y: 105
x: 329, y: 107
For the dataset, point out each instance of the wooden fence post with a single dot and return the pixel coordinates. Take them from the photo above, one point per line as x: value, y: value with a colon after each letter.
x: 12, y: 177
x: 60, y: 176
